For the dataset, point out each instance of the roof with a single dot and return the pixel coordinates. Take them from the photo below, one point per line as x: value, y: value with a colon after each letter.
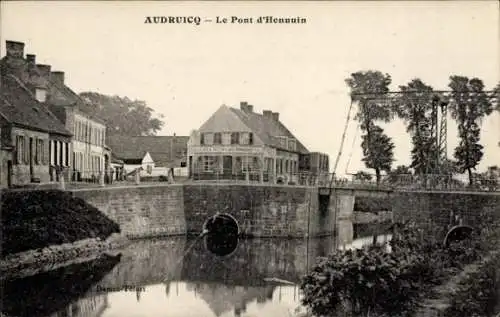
x: 19, y: 106
x: 67, y: 97
x: 164, y: 150
x: 267, y: 129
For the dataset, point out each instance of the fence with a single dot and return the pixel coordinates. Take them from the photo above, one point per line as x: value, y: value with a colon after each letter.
x: 72, y: 178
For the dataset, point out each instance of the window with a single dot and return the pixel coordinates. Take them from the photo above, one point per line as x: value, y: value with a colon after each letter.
x: 250, y: 138
x: 20, y: 149
x: 209, y: 138
x: 67, y: 155
x: 27, y: 151
x: 208, y: 163
x: 244, y: 138
x: 202, y: 139
x: 217, y: 138
x: 235, y: 138
x: 39, y: 152
x: 41, y: 94
x: 292, y: 145
x: 226, y: 138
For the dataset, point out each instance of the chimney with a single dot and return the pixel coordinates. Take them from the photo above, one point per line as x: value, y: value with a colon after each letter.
x: 58, y: 77
x: 31, y: 59
x: 243, y: 106
x: 14, y: 49
x: 267, y: 114
x: 44, y: 70
x: 276, y: 116
x: 250, y: 108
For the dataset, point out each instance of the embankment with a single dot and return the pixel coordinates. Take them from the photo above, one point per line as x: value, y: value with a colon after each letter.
x: 43, y: 227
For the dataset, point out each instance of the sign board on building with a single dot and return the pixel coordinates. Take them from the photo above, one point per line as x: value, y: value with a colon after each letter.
x: 231, y: 150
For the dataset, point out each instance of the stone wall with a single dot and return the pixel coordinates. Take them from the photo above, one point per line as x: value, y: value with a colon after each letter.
x: 439, y: 211
x: 260, y: 210
x: 264, y: 211
x: 141, y: 211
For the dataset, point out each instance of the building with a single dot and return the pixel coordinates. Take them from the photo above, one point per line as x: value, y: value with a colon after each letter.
x: 28, y: 129
x: 241, y: 144
x: 24, y: 76
x: 154, y: 155
x: 85, y: 156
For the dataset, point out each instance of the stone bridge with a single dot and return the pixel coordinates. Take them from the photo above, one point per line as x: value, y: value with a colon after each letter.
x: 277, y: 211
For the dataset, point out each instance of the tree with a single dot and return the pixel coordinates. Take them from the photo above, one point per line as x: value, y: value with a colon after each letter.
x: 469, y: 105
x: 122, y: 115
x: 496, y: 95
x: 362, y: 176
x: 414, y: 107
x: 368, y: 88
x: 400, y: 173
x: 378, y: 151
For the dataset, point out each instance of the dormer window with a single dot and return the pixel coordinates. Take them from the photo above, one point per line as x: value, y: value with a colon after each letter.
x: 235, y: 138
x: 292, y: 144
x: 41, y: 94
x: 217, y: 138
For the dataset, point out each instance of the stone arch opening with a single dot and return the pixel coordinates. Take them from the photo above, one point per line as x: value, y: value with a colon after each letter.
x: 221, y: 234
x: 458, y: 233
x: 221, y: 225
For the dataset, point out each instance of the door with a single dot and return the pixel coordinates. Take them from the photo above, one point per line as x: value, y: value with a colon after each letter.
x: 9, y: 173
x: 30, y: 153
x: 227, y: 165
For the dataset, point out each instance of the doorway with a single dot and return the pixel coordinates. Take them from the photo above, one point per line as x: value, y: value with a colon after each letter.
x: 227, y: 166
x: 9, y: 173
x: 30, y: 153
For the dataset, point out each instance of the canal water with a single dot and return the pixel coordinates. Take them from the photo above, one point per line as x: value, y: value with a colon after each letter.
x: 177, y: 277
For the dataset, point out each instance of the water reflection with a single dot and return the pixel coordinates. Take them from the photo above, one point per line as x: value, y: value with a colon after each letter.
x: 57, y: 293
x: 181, y: 278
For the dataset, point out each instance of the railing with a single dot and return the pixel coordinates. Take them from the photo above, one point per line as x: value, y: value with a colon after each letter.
x: 260, y: 176
x: 67, y: 178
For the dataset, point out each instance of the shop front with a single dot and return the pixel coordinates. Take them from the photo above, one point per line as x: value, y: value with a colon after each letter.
x: 223, y: 162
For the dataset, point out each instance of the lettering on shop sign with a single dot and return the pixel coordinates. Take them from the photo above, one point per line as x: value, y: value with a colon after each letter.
x: 230, y: 149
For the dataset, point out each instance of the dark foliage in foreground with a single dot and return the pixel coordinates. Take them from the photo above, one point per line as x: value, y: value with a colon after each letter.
x: 37, y: 219
x: 376, y: 282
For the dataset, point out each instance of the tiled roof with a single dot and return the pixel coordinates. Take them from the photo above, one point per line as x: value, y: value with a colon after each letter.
x: 20, y: 107
x: 164, y: 150
x: 67, y: 97
x: 267, y: 129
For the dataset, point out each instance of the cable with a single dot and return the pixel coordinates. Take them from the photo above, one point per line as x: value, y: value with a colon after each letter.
x: 341, y: 143
x: 352, y: 149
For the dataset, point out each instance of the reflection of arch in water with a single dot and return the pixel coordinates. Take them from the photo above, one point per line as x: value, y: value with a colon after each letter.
x: 458, y: 233
x: 220, y: 246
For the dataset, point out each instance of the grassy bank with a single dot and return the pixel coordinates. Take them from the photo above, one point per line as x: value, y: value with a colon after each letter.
x: 377, y: 282
x: 37, y: 219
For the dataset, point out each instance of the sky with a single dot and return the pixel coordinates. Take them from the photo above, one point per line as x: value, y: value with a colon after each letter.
x: 187, y: 71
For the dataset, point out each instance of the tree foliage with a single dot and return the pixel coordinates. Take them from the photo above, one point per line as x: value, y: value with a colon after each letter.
x: 469, y: 105
x: 122, y: 115
x: 414, y: 107
x: 378, y: 151
x: 368, y: 89
x: 362, y: 176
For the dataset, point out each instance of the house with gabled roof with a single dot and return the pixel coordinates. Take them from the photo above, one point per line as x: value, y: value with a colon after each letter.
x: 240, y: 144
x: 27, y: 130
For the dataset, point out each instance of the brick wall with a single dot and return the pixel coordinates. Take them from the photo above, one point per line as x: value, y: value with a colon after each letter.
x: 144, y: 211
x: 440, y: 211
x: 263, y: 211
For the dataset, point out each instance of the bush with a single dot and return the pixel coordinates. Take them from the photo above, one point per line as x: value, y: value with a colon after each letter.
x: 377, y: 282
x: 40, y: 218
